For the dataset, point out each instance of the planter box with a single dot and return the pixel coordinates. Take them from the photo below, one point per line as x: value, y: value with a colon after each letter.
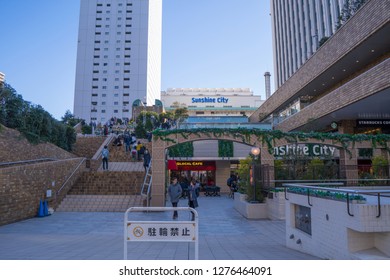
x: 250, y: 210
x: 276, y: 206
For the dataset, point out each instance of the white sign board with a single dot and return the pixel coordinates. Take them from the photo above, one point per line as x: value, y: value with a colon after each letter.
x: 161, y: 231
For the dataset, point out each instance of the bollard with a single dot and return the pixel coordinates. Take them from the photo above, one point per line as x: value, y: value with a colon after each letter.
x: 40, y: 210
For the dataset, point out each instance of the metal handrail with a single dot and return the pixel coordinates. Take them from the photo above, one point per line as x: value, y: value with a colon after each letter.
x: 27, y: 161
x: 71, y: 175
x: 347, y: 191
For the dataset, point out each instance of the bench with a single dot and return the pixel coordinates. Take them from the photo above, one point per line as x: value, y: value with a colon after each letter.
x: 212, y: 191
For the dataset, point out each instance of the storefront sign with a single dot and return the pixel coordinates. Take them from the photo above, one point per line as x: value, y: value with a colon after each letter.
x: 191, y: 165
x: 373, y: 123
x: 306, y: 150
x: 210, y: 100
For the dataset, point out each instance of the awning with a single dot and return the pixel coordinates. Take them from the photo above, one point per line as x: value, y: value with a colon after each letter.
x: 191, y: 165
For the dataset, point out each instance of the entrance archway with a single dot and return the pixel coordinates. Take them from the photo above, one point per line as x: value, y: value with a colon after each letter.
x: 265, y: 140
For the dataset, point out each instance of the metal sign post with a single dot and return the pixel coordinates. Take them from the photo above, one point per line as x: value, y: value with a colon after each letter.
x: 157, y: 231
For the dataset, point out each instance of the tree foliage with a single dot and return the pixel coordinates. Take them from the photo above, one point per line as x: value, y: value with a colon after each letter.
x: 33, y: 121
x: 350, y: 8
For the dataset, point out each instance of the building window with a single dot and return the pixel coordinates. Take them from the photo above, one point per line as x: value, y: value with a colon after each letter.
x: 104, y: 95
x: 115, y: 111
x: 103, y: 111
x: 116, y: 95
x: 116, y: 103
x: 126, y: 86
x: 126, y: 71
x: 126, y: 94
x: 116, y: 87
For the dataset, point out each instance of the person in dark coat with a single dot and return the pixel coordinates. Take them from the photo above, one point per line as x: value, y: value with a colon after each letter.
x: 146, y: 159
x: 174, y: 192
x: 193, y: 192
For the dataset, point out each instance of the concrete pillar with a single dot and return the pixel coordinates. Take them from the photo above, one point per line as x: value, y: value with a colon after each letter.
x: 348, y: 166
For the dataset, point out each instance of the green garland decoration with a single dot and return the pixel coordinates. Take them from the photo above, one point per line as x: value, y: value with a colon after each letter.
x: 185, y: 149
x: 225, y: 148
x: 267, y: 137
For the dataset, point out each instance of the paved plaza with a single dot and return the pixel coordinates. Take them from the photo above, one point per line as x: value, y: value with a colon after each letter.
x: 224, y: 235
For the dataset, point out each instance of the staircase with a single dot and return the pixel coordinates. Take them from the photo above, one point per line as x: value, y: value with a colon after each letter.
x: 125, y: 185
x: 99, y: 203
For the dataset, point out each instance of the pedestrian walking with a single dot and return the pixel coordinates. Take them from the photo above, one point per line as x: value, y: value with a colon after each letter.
x: 193, y: 193
x: 174, y: 192
x: 146, y: 159
x: 105, y: 155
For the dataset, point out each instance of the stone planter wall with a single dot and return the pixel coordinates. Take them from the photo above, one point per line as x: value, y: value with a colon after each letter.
x: 249, y: 210
x: 276, y: 206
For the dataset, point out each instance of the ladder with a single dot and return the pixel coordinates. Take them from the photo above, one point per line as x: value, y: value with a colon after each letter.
x: 147, y: 185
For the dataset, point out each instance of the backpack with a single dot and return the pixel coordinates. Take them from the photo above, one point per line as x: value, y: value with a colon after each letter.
x: 229, y: 181
x: 105, y: 153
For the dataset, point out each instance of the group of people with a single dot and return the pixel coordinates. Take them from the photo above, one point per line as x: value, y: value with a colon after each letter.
x: 139, y: 150
x: 175, y: 192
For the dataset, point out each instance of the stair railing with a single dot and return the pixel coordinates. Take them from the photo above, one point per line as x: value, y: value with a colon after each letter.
x: 68, y: 180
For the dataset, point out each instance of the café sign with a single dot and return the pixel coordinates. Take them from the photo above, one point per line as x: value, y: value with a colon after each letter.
x: 310, y: 150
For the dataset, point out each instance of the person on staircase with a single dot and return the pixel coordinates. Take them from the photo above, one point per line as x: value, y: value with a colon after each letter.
x: 139, y: 148
x: 105, y: 155
x: 146, y: 159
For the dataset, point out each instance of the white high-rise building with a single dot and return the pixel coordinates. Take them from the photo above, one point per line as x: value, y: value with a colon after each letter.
x: 298, y: 27
x: 118, y: 57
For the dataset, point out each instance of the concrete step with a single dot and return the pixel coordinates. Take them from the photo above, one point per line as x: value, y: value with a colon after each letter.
x: 99, y: 203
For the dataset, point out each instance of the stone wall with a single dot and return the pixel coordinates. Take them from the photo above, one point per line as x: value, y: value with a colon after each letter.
x: 22, y: 187
x: 87, y: 146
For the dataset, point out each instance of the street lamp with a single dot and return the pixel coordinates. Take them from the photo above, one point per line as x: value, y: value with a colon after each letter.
x: 255, y: 151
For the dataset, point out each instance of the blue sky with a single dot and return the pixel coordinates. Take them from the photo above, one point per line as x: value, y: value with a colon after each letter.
x: 206, y: 43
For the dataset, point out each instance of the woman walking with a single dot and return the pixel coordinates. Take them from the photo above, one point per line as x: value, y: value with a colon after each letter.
x: 193, y: 192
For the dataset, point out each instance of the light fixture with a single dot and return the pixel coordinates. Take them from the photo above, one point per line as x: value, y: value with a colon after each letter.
x: 255, y: 151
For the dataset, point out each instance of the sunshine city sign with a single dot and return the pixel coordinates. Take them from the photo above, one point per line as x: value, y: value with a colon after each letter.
x: 306, y: 150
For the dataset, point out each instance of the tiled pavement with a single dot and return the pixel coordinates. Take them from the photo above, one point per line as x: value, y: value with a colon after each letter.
x: 224, y: 235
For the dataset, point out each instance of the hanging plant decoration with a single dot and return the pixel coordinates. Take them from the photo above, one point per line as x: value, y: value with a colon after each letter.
x: 267, y: 137
x: 185, y: 149
x: 225, y: 148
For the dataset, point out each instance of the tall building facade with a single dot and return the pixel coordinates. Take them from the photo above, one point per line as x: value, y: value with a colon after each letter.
x: 118, y: 57
x: 298, y: 27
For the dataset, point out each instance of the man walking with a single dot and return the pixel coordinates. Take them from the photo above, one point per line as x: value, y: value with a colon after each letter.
x: 105, y: 154
x: 174, y: 192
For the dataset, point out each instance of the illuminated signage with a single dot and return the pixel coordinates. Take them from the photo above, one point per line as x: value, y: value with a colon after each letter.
x: 306, y: 150
x: 189, y: 163
x: 210, y: 100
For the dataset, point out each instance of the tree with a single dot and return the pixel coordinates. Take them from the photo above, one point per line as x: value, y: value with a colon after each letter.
x: 70, y: 119
x: 36, y: 124
x: 180, y: 114
x: 350, y: 8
